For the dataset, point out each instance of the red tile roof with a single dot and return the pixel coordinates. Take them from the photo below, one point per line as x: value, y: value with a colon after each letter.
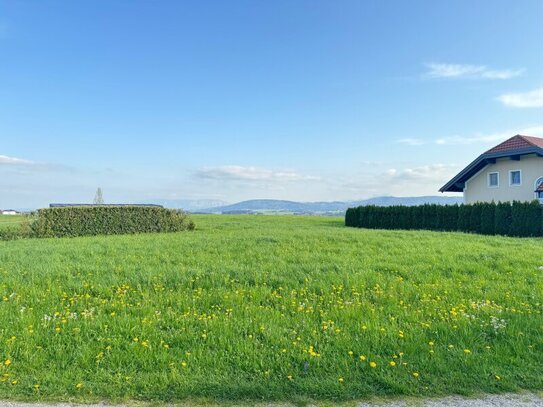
x: 516, y: 143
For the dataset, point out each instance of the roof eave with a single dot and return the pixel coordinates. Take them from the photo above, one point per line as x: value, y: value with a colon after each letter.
x: 482, y: 161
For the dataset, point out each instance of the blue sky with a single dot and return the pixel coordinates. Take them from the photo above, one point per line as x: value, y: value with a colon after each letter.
x: 231, y: 100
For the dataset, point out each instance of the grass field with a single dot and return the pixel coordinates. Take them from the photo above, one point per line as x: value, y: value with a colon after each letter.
x: 269, y: 308
x: 10, y: 220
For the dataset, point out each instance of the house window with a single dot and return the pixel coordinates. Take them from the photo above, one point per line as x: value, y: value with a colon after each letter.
x: 539, y: 188
x: 515, y: 178
x: 493, y: 180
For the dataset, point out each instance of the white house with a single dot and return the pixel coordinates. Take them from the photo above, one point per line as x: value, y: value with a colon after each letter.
x: 510, y: 171
x: 9, y: 212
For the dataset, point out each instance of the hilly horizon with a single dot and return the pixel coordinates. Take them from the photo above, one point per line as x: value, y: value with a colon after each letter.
x: 324, y: 207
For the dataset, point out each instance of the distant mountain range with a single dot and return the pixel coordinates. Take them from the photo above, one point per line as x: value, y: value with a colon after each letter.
x: 187, y: 204
x: 281, y: 206
x: 324, y: 208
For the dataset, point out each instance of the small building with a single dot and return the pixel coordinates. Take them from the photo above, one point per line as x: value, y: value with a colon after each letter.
x: 510, y: 171
x: 9, y: 212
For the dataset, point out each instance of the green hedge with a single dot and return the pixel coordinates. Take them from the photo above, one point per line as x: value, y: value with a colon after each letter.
x: 108, y: 220
x: 99, y: 220
x: 509, y: 219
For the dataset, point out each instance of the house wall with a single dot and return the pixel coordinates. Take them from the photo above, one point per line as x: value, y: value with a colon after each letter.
x: 477, y: 189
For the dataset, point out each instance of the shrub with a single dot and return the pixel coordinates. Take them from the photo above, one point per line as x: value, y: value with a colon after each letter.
x: 107, y: 220
x: 487, y: 219
x: 509, y: 219
x: 20, y: 231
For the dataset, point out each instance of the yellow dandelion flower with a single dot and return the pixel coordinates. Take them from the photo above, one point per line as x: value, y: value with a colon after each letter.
x: 415, y: 375
x: 350, y: 353
x: 467, y: 351
x: 184, y: 364
x: 79, y: 386
x: 340, y: 380
x: 373, y: 365
x: 431, y: 343
x: 362, y: 358
x: 289, y: 377
x: 14, y: 382
x: 392, y: 363
x: 498, y: 377
x: 7, y: 362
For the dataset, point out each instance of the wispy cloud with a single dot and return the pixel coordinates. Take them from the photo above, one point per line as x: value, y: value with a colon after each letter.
x: 408, y: 181
x: 22, y: 165
x: 14, y: 161
x: 250, y: 174
x: 437, y: 172
x: 533, y: 98
x: 475, y: 139
x: 464, y: 71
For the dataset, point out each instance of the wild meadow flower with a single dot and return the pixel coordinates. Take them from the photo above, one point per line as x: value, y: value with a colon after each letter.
x: 373, y: 365
x: 415, y: 375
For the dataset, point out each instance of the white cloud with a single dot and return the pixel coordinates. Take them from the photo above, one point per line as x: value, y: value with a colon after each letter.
x: 14, y: 161
x: 21, y: 165
x: 433, y: 172
x: 533, y: 98
x: 457, y: 71
x: 408, y: 181
x: 250, y: 174
x: 477, y: 138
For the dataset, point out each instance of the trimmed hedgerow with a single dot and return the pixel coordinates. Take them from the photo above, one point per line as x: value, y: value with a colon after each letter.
x: 107, y: 220
x: 509, y: 219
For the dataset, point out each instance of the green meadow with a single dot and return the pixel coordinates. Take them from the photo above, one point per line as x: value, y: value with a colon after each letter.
x: 10, y: 220
x: 269, y: 308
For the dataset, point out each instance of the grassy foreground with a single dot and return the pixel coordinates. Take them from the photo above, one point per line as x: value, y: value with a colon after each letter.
x: 272, y: 308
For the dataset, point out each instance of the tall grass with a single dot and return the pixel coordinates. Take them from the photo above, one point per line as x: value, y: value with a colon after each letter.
x: 272, y: 308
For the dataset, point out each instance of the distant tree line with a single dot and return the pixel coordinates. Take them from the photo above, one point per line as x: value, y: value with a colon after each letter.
x: 508, y: 219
